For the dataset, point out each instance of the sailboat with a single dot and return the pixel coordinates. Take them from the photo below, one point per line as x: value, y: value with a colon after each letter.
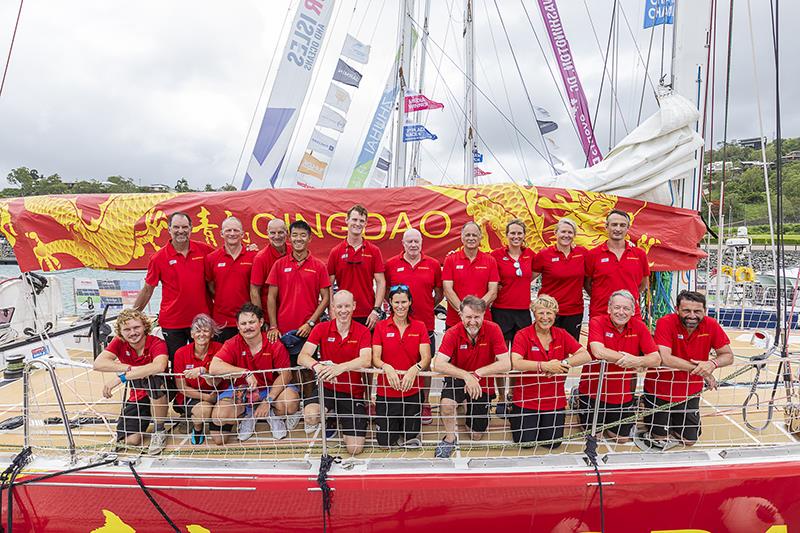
x: 741, y: 475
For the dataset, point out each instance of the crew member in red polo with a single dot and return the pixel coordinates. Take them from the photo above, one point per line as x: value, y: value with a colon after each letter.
x: 355, y: 264
x: 685, y: 339
x: 259, y: 392
x: 547, y: 352
x: 471, y: 349
x: 625, y: 342
x: 228, y: 277
x: 344, y: 347
x: 262, y: 264
x: 469, y: 272
x: 139, y: 358
x: 180, y: 268
x: 423, y: 277
x: 399, y: 344
x: 562, y: 267
x: 616, y: 264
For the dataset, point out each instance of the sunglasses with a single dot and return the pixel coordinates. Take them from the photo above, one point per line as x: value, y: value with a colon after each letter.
x: 394, y: 288
x: 519, y: 268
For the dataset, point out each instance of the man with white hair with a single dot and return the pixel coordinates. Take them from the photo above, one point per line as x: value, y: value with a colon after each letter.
x: 228, y: 277
x: 264, y: 260
x: 422, y: 275
x: 470, y: 350
x: 625, y: 343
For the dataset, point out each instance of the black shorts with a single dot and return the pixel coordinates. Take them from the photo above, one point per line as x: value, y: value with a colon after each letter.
x: 175, y: 338
x: 511, y: 321
x: 154, y: 386
x: 432, y: 341
x: 397, y: 419
x: 608, y: 413
x: 682, y: 420
x: 528, y: 425
x: 477, y: 416
x: 350, y: 413
x: 226, y: 333
x: 135, y: 418
x: 571, y: 323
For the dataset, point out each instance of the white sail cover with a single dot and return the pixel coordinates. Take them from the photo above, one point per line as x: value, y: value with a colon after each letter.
x: 661, y: 149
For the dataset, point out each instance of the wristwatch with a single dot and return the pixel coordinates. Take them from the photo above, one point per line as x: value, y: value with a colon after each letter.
x: 377, y: 310
x: 311, y: 323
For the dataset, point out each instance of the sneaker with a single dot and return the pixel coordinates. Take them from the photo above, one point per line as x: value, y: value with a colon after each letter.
x: 445, y: 449
x: 427, y: 415
x: 310, y: 429
x: 276, y: 425
x: 411, y: 444
x: 247, y: 426
x: 197, y: 436
x: 157, y: 443
x: 293, y: 419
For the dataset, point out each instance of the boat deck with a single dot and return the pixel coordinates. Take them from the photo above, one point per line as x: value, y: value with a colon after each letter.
x: 723, y: 424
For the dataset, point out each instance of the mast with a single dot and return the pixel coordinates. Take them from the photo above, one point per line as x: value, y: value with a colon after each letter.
x: 469, y: 97
x: 399, y: 175
x: 421, y: 84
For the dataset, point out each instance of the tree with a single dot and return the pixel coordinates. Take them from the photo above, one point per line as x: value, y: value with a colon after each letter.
x: 182, y: 185
x: 228, y: 187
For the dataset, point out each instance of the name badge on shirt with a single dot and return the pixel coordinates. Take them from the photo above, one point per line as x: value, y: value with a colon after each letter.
x: 173, y: 261
x: 604, y: 260
x: 221, y: 264
x: 244, y: 353
x: 609, y: 334
x: 344, y: 256
x: 331, y: 339
x: 287, y: 269
x: 389, y: 335
x: 680, y: 336
x: 462, y: 347
x: 189, y: 367
x: 505, y: 259
x: 401, y: 269
x: 555, y: 260
x: 459, y: 267
x: 535, y: 348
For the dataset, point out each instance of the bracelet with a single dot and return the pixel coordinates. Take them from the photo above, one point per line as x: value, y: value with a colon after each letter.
x: 122, y: 378
x: 202, y: 370
x: 419, y: 366
x: 714, y: 362
x: 315, y: 365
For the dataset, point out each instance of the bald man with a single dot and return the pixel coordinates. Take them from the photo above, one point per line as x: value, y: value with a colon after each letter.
x: 264, y: 260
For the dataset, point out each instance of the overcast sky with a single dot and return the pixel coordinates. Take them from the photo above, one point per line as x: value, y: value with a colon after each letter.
x: 157, y: 91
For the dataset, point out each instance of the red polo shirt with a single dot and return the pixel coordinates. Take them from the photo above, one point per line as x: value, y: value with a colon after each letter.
x: 562, y: 277
x: 262, y: 265
x: 469, y: 278
x: 609, y: 274
x: 676, y: 385
x: 183, y: 283
x: 634, y: 339
x: 153, y: 347
x: 355, y: 271
x: 421, y: 279
x: 186, y: 360
x: 470, y: 355
x: 514, y: 291
x: 542, y: 393
x: 400, y: 351
x: 231, y: 279
x: 332, y: 347
x: 298, y: 283
x: 272, y: 355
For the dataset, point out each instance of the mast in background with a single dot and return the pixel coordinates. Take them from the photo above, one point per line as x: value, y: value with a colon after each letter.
x: 421, y: 84
x: 469, y: 97
x: 404, y: 72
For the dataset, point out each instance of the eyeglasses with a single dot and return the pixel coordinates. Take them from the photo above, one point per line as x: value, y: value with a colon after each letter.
x: 394, y: 288
x: 519, y: 268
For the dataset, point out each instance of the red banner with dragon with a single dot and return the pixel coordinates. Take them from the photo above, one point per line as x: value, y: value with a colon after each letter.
x: 121, y: 231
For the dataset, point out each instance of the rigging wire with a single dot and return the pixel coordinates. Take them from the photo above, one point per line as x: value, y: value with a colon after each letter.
x: 260, y: 96
x: 524, y: 87
x: 483, y: 93
x: 11, y: 47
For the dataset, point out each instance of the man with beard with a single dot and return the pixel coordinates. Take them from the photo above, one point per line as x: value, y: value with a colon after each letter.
x: 685, y: 340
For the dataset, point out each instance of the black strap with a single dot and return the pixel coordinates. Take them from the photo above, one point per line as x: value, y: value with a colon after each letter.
x: 152, y: 500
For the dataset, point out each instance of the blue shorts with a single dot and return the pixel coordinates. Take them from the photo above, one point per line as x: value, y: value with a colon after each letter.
x: 262, y: 392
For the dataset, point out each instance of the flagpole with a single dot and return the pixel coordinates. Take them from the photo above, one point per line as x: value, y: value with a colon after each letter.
x: 403, y: 78
x: 421, y: 85
x: 469, y: 96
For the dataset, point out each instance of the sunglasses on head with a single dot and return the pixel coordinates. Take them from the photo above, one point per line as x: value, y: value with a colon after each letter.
x: 395, y: 288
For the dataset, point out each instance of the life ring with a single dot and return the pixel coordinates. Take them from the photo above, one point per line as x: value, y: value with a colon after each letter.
x: 727, y: 271
x: 745, y: 274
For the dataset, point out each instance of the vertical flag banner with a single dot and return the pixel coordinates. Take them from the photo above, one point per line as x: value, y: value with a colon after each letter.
x: 417, y: 132
x: 658, y: 12
x: 355, y: 50
x: 312, y: 166
x: 288, y: 92
x: 322, y: 143
x: 572, y: 84
x: 346, y: 74
x: 338, y: 98
x: 328, y: 118
x: 380, y: 119
x: 419, y: 102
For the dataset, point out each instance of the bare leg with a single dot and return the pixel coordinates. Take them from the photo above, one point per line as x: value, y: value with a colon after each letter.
x: 355, y: 445
x: 447, y: 410
x: 287, y: 402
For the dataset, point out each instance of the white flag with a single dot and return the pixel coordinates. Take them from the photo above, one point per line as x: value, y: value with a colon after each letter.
x: 328, y: 118
x: 337, y: 97
x: 322, y: 143
x: 355, y: 49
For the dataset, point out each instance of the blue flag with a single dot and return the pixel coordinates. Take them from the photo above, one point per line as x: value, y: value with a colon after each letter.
x: 477, y: 157
x: 417, y: 132
x: 658, y: 12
